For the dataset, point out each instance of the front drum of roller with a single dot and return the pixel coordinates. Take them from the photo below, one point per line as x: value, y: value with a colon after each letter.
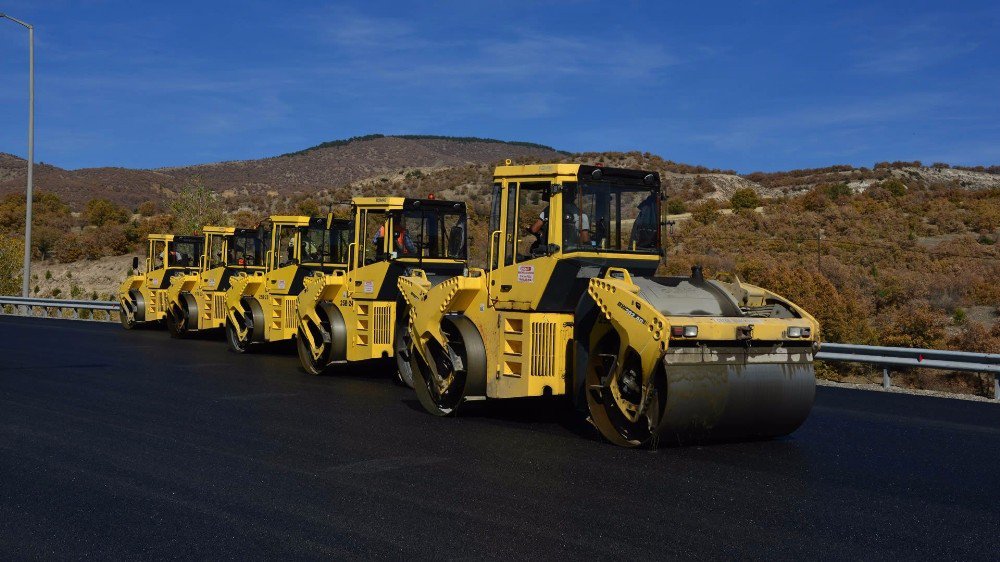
x: 736, y: 400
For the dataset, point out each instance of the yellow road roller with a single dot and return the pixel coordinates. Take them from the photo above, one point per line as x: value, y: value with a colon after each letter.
x: 197, y: 301
x: 355, y: 315
x: 143, y: 295
x: 569, y: 304
x: 260, y: 305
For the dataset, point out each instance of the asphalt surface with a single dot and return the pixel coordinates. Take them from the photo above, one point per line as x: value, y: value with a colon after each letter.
x: 130, y: 444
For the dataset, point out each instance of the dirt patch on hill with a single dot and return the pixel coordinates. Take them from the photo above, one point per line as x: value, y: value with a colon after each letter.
x: 85, y: 280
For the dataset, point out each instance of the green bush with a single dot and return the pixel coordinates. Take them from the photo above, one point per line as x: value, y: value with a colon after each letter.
x: 745, y: 198
x: 895, y: 187
x: 837, y: 191
x: 960, y: 316
x: 675, y: 206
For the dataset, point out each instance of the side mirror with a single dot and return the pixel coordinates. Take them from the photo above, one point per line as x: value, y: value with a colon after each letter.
x: 135, y: 263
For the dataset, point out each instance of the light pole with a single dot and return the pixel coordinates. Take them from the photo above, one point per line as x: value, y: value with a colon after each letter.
x: 31, y: 151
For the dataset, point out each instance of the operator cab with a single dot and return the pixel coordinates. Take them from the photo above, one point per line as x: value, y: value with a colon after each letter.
x: 247, y: 248
x: 426, y: 233
x: 324, y: 242
x: 174, y: 253
x: 555, y: 226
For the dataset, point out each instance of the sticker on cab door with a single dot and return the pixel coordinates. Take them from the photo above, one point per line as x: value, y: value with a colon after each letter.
x: 369, y: 287
x: 281, y: 283
x: 525, y: 274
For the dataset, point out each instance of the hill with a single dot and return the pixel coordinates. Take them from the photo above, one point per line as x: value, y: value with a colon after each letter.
x: 328, y: 165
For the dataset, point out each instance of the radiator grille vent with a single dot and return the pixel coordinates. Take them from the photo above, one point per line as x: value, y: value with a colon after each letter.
x: 543, y: 353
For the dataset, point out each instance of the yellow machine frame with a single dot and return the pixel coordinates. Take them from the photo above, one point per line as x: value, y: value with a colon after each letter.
x: 352, y: 315
x: 197, y: 301
x: 143, y: 296
x: 267, y: 298
x: 528, y: 325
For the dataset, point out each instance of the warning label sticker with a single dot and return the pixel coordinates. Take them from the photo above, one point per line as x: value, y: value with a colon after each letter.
x: 525, y: 274
x: 369, y: 287
x: 281, y: 283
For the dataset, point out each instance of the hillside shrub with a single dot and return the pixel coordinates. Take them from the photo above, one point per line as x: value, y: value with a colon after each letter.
x: 707, y: 212
x: 915, y: 326
x: 744, y: 198
x: 894, y: 186
x: 99, y: 212
x: 675, y: 206
x: 11, y: 256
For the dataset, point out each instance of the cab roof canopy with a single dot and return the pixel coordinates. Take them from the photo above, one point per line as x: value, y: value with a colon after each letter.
x: 174, y: 238
x: 580, y: 172
x: 399, y: 203
x: 218, y: 230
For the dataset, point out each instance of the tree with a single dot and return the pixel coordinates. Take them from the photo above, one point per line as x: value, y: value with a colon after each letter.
x: 745, y: 198
x: 43, y: 240
x: 100, y: 212
x: 68, y: 248
x: 194, y: 207
x: 11, y: 255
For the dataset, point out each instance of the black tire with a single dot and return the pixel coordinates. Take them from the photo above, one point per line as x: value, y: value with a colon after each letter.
x: 403, y: 351
x: 465, y: 343
x: 237, y: 344
x: 137, y: 311
x: 179, y: 322
x: 126, y: 317
x: 605, y: 412
x: 310, y: 365
x: 174, y: 326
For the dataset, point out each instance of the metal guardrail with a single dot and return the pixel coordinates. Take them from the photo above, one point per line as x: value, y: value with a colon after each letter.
x: 886, y: 357
x: 100, y: 311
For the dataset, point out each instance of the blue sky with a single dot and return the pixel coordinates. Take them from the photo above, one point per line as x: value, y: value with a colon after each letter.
x: 743, y: 85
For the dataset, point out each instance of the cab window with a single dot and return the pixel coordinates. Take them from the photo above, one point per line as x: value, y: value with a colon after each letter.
x: 533, y: 219
x: 284, y: 248
x: 373, y: 239
x: 215, y: 256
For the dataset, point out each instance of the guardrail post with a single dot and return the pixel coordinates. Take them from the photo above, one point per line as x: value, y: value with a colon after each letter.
x: 886, y: 382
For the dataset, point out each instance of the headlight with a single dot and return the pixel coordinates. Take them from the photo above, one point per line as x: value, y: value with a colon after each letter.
x: 684, y: 331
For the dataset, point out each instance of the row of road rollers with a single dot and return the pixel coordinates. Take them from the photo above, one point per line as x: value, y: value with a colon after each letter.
x: 569, y: 304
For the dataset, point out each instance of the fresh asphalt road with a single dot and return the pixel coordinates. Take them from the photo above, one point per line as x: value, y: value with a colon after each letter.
x: 130, y: 444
